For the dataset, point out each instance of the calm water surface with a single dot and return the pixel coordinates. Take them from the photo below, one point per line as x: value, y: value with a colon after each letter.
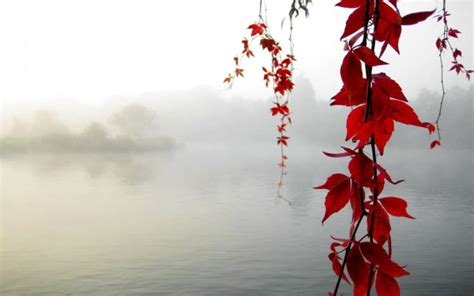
x: 207, y: 221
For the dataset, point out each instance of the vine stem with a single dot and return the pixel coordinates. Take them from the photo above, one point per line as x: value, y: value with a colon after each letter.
x: 372, y: 146
x: 372, y: 217
x: 368, y: 112
x: 443, y: 94
x: 348, y: 249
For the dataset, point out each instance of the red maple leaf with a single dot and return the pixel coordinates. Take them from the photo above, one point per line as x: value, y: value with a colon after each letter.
x: 257, y: 29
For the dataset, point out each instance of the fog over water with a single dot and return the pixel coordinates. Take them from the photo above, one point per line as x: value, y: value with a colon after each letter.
x: 201, y: 115
x: 174, y: 193
x: 206, y: 221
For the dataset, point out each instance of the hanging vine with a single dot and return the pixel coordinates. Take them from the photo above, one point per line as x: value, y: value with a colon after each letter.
x: 278, y: 74
x: 443, y: 43
x: 363, y: 259
x: 376, y: 103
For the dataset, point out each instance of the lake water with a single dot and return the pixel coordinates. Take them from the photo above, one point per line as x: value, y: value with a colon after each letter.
x: 206, y: 221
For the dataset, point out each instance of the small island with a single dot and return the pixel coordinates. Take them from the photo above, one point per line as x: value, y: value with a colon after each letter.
x: 133, y: 128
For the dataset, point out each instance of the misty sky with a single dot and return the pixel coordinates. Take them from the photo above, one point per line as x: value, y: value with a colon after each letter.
x: 90, y: 51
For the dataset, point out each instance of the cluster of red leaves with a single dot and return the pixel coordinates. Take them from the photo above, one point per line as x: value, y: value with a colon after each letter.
x: 389, y: 104
x: 377, y: 102
x: 444, y: 41
x: 278, y: 74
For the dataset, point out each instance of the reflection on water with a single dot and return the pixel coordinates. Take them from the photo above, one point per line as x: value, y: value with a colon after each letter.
x: 207, y: 222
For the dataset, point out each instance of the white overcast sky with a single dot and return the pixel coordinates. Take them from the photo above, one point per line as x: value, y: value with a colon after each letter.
x: 92, y: 50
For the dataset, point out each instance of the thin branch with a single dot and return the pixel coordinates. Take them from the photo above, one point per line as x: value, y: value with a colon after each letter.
x: 372, y: 146
x: 348, y: 249
x: 443, y: 95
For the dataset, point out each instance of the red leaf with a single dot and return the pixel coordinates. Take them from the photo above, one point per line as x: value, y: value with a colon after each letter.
x: 282, y: 140
x: 239, y: 72
x: 228, y: 79
x: 387, y: 13
x: 351, y: 74
x: 361, y: 169
x: 343, y: 154
x: 389, y: 33
x: 333, y: 181
x: 358, y: 95
x: 281, y: 128
x: 339, y: 187
x: 395, y: 206
x: 468, y: 74
x: 386, y: 285
x: 380, y: 183
x: 381, y: 231
x: 257, y: 29
x: 454, y: 33
x: 283, y: 86
x: 457, y: 53
x: 457, y: 66
x: 361, y: 131
x: 280, y: 109
x: 355, y: 120
x: 395, y: 37
x: 268, y: 44
x: 403, y: 113
x: 366, y: 55
x: 351, y: 3
x: 355, y: 21
x: 356, y: 203
x: 440, y: 44
x: 389, y: 86
x: 383, y: 130
x: 337, y: 267
x: 377, y: 255
x: 435, y: 143
x: 358, y: 270
x: 413, y: 18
